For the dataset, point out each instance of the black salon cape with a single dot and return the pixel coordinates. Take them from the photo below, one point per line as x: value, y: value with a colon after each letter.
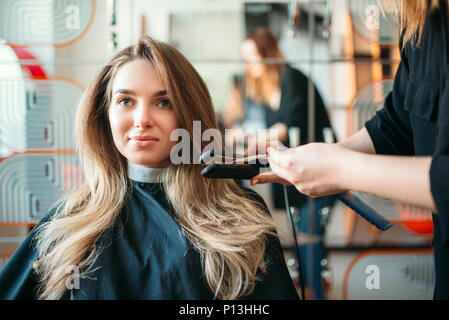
x: 293, y: 112
x: 145, y: 256
x: 415, y: 121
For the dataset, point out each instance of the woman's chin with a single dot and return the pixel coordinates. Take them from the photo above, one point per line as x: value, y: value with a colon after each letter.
x: 151, y: 162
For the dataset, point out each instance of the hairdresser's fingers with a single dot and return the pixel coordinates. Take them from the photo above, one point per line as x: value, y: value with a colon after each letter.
x: 284, y: 164
x: 277, y: 145
x: 268, y: 177
x: 277, y: 158
x: 281, y: 172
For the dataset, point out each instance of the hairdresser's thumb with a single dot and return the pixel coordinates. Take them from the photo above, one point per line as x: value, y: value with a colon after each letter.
x: 273, y: 156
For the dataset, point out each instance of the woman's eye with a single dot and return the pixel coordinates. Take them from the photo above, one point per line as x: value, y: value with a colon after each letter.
x: 164, y: 103
x: 125, y: 102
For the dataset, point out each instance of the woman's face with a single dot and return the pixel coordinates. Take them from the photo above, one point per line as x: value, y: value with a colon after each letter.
x: 251, y: 56
x: 141, y: 116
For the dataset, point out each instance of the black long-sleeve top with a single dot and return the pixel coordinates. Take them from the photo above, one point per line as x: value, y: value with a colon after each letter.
x: 293, y: 108
x: 145, y: 256
x: 415, y: 121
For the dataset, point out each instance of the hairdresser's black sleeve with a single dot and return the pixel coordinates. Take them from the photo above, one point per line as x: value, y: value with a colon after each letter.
x: 276, y: 284
x: 390, y: 129
x: 439, y: 170
x: 294, y: 105
x: 17, y: 278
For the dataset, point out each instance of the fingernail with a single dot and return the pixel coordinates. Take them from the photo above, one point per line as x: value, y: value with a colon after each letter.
x: 254, y: 182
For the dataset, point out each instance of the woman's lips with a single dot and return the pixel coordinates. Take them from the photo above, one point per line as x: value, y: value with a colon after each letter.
x: 143, y: 141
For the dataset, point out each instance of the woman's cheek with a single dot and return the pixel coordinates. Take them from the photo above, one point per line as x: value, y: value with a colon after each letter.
x: 119, y: 127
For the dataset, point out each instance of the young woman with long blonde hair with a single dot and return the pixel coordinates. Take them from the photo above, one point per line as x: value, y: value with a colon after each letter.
x: 141, y: 227
x: 402, y: 154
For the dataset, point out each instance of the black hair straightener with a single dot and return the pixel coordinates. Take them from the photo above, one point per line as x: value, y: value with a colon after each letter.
x: 223, y: 166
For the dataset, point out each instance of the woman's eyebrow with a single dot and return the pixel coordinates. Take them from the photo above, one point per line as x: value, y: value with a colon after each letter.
x: 126, y: 91
x: 161, y: 93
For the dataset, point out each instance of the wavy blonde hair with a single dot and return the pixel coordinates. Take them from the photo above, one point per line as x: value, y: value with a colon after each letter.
x: 227, y: 226
x: 411, y: 15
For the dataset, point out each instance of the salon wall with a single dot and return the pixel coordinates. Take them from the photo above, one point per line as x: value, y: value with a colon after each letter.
x: 80, y: 59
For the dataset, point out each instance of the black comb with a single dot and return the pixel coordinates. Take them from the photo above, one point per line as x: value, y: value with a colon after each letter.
x: 364, y: 211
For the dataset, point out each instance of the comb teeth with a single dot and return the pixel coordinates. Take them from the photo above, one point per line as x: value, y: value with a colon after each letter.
x: 364, y: 211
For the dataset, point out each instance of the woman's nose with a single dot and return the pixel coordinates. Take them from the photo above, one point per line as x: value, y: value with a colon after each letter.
x: 143, y: 117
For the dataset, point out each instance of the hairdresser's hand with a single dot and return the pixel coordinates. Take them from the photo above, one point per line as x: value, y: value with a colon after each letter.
x: 314, y: 169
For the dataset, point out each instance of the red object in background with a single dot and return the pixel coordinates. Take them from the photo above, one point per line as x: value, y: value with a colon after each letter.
x: 32, y: 71
x: 419, y: 226
x: 416, y: 220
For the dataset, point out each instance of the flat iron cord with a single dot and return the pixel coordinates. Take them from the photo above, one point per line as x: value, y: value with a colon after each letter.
x: 296, y: 247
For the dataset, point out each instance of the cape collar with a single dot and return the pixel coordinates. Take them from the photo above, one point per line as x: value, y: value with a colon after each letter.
x: 141, y: 173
